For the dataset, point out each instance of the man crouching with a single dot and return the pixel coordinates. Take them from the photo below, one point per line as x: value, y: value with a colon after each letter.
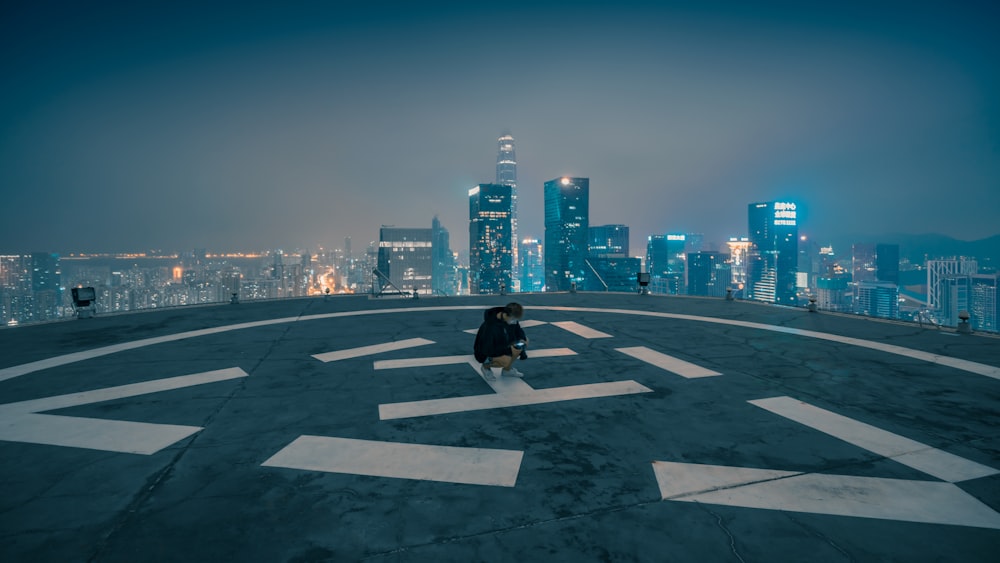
x: 501, y: 341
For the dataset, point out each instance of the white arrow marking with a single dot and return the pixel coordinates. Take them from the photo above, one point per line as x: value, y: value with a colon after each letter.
x: 841, y: 495
x: 669, y: 363
x: 19, y: 422
x: 370, y: 350
x: 448, y: 464
x: 932, y: 461
x: 580, y: 330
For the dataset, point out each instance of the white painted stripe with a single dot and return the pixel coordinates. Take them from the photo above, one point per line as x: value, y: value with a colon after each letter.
x: 448, y: 464
x: 370, y: 350
x: 461, y: 359
x: 91, y: 433
x: 501, y: 383
x: 957, y: 363
x: 862, y: 497
x: 669, y: 363
x: 524, y: 324
x: 501, y: 400
x: 932, y: 461
x: 580, y: 330
x: 120, y: 392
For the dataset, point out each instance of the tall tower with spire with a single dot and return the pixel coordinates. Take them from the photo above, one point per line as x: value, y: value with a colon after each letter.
x: 507, y: 176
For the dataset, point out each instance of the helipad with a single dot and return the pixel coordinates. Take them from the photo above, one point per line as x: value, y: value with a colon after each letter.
x: 646, y: 429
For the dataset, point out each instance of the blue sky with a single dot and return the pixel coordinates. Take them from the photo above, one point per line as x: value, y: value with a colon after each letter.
x: 252, y: 125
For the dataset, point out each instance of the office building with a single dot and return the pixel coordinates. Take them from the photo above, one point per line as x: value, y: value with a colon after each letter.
x: 876, y: 299
x: 532, y: 265
x: 665, y: 262
x: 46, y: 279
x: 491, y: 239
x: 772, y: 264
x: 567, y: 224
x: 507, y: 176
x: 938, y: 270
x: 443, y: 277
x: 833, y: 294
x: 863, y: 262
x: 708, y: 273
x: 609, y: 241
x: 983, y: 302
x: 405, y: 258
x: 739, y: 247
x: 887, y: 263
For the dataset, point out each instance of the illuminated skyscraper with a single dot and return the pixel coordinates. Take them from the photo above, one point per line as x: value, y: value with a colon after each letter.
x: 708, y: 274
x: 532, y: 266
x: 443, y: 277
x: 609, y: 241
x: 46, y: 277
x: 738, y: 248
x: 567, y: 223
x: 665, y: 262
x: 774, y: 255
x: 507, y: 176
x: 405, y: 256
x: 491, y: 241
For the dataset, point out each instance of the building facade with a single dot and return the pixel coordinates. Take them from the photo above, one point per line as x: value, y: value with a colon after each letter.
x: 609, y: 241
x: 708, y: 274
x: 507, y: 176
x: 491, y: 241
x: 406, y: 258
x: 532, y: 265
x: 772, y: 265
x: 938, y: 270
x: 877, y: 299
x: 567, y: 225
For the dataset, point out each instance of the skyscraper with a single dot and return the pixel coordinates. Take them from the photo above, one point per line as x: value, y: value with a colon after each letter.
x: 863, y: 262
x: 405, y: 256
x: 567, y: 223
x: 443, y: 277
x: 532, y: 266
x: 887, y: 263
x: 708, y: 274
x: 507, y: 176
x: 938, y: 270
x: 877, y: 299
x: 491, y: 241
x: 984, y: 308
x: 609, y: 241
x: 46, y: 277
x: 665, y: 262
x: 774, y: 254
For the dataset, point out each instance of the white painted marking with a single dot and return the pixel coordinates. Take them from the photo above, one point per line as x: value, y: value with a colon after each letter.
x: 461, y: 359
x: 580, y: 330
x: 447, y: 464
x: 92, y: 433
x: 960, y: 364
x: 502, y: 383
x: 842, y: 495
x: 524, y: 324
x: 501, y: 400
x: 669, y: 363
x: 19, y: 422
x: 919, y: 456
x: 370, y: 350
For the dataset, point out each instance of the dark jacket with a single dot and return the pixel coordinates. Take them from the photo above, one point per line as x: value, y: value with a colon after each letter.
x: 495, y: 336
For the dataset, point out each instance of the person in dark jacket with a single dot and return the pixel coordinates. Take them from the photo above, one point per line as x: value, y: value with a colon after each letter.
x: 501, y: 341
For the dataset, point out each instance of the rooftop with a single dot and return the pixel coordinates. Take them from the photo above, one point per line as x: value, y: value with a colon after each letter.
x: 646, y: 428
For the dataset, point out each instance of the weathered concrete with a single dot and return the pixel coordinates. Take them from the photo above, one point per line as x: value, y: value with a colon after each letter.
x: 585, y: 487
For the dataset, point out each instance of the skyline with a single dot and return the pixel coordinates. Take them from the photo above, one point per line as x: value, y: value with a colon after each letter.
x: 176, y: 126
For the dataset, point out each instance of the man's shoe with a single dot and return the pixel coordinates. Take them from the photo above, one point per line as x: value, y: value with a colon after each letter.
x: 512, y: 372
x: 487, y: 372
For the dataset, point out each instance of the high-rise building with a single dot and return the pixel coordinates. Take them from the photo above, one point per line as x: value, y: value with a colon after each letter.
x: 877, y: 299
x: 773, y: 258
x: 887, y: 263
x: 532, y: 265
x: 863, y: 262
x: 738, y: 249
x: 708, y: 273
x: 507, y: 176
x: 491, y: 239
x: 567, y: 223
x: 832, y: 293
x: 983, y: 305
x: 938, y: 270
x: 443, y: 275
x: 46, y: 277
x: 405, y: 257
x: 665, y: 262
x: 608, y: 241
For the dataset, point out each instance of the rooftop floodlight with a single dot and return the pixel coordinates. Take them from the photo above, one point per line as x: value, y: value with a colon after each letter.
x: 84, y: 301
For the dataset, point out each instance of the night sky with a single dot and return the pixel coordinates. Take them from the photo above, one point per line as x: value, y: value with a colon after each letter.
x: 251, y: 126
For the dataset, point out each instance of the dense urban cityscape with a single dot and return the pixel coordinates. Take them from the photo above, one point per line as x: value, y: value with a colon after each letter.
x: 768, y: 262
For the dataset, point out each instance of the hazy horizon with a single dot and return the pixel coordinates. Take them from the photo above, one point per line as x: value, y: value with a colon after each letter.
x: 249, y: 127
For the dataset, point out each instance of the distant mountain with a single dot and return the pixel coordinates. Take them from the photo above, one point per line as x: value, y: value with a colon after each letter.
x: 918, y: 248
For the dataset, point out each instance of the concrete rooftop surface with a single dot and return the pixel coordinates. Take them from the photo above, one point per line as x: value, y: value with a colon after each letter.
x: 645, y: 429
